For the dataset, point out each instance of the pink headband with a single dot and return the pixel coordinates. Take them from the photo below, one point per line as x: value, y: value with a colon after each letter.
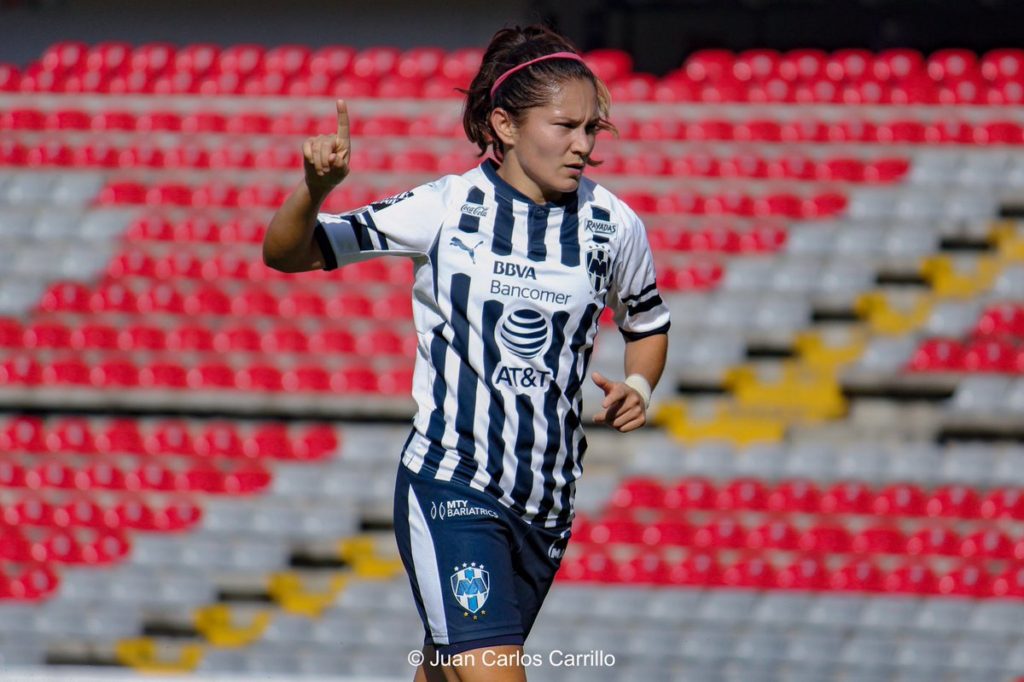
x: 555, y: 55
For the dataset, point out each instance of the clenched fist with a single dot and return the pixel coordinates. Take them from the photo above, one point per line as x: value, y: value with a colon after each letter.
x: 325, y: 157
x: 623, y: 407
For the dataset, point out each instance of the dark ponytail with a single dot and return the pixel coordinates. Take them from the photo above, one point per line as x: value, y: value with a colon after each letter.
x: 524, y: 89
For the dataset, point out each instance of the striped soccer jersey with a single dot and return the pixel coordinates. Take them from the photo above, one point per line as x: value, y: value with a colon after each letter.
x: 506, y: 301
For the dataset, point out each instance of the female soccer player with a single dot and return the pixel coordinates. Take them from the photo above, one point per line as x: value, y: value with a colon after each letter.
x: 514, y: 262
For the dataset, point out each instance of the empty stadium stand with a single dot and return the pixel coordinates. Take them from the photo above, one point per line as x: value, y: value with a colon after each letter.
x: 833, y: 488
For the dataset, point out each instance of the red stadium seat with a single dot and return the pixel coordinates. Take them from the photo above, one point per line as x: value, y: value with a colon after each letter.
x: 163, y: 374
x: 219, y: 193
x: 187, y: 155
x: 133, y: 262
x: 332, y: 341
x: 642, y: 493
x: 306, y: 378
x: 170, y: 437
x: 1001, y: 503
x: 999, y: 132
x: 106, y: 474
x: 375, y: 62
x: 932, y: 539
x: 796, y: 495
x: 720, y: 533
x: 1009, y: 583
x: 121, y: 436
x: 670, y: 531
x: 900, y: 499
x: 212, y: 375
x: 47, y: 334
x: 645, y: 568
x: 912, y: 577
x: 115, y: 373
x: 952, y: 65
x: 967, y: 580
x: 898, y: 64
x: 937, y: 355
x: 354, y: 380
x: 15, y: 154
x: 750, y: 572
x: 10, y: 78
x: 748, y: 494
x: 162, y: 297
x: 879, y: 539
x: 277, y: 156
x: 195, y: 59
x: 625, y: 531
x: 238, y: 337
x: 462, y: 64
x: 989, y: 543
x: 709, y: 65
x: 267, y: 441
x: 63, y: 296
x: 207, y: 300
x: 990, y: 355
x: 152, y: 58
x: 23, y: 119
x: 774, y: 534
x: 698, y: 569
x: 11, y: 333
x: 858, y: 575
x: 954, y: 501
x: 825, y: 538
x: 65, y: 370
x: 240, y: 59
x: 805, y: 572
x: 285, y: 339
x: 71, y: 435
x: 254, y: 302
x: 332, y: 60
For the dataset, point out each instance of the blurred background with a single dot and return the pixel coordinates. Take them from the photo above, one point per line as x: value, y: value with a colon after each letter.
x: 197, y: 454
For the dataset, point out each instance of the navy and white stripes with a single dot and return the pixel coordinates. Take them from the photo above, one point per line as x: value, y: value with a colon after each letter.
x: 506, y: 302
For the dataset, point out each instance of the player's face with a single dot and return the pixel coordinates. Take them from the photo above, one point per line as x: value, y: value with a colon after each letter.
x: 552, y: 142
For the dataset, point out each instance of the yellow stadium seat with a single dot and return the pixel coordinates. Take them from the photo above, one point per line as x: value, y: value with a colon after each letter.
x: 1009, y: 240
x: 800, y: 400
x: 350, y: 550
x: 378, y: 568
x: 296, y: 595
x: 725, y: 424
x: 884, y: 318
x: 950, y: 281
x: 227, y: 627
x: 817, y: 351
x: 147, y: 655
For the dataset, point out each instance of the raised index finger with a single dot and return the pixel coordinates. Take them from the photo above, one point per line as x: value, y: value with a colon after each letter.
x: 343, y: 133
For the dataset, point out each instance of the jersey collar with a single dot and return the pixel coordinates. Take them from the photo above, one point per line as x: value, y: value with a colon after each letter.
x: 490, y: 169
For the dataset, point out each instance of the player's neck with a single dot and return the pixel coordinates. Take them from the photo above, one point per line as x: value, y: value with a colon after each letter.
x: 512, y: 172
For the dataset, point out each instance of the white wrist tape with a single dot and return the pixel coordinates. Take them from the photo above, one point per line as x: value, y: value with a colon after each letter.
x: 639, y: 384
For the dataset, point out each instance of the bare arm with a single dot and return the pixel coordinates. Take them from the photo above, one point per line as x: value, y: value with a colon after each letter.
x: 288, y: 245
x: 623, y: 407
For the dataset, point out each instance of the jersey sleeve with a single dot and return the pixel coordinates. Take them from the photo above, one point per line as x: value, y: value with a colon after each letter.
x: 403, y: 225
x: 633, y: 294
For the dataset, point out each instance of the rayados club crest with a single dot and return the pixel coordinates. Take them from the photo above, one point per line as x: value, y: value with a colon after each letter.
x: 599, y: 263
x: 471, y: 585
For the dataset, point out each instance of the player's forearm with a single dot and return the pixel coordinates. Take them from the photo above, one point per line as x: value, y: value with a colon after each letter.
x: 646, y: 357
x: 289, y: 238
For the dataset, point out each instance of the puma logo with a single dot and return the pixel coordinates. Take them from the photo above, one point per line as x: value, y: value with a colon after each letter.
x: 471, y: 251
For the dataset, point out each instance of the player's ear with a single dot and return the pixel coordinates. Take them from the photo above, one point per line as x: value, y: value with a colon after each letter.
x: 504, y: 126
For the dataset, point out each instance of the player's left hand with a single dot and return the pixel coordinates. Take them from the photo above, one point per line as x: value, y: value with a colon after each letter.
x: 623, y: 407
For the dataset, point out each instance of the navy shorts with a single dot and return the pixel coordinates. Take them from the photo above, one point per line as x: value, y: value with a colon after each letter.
x: 479, y: 573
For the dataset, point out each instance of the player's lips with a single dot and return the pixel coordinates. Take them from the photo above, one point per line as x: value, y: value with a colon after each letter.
x: 576, y: 168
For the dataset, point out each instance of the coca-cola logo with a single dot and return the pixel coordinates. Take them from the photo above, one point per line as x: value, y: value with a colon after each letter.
x: 475, y: 210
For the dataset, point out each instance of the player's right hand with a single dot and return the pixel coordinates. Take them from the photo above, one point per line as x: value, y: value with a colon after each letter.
x: 325, y: 157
